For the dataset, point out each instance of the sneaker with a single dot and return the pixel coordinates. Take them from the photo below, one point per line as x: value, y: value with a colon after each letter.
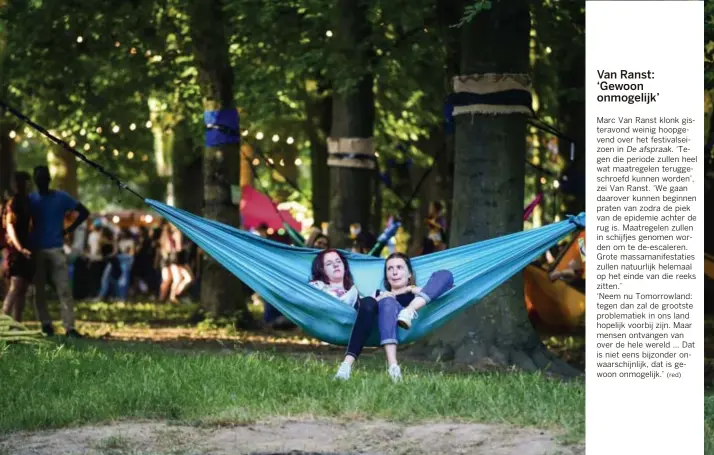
x: 404, y: 319
x: 395, y: 373
x: 72, y: 333
x: 343, y: 373
x: 48, y: 330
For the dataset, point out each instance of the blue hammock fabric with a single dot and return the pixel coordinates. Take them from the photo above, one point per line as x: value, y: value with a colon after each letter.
x: 280, y: 273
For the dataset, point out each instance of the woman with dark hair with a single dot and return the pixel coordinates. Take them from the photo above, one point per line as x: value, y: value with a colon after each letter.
x: 400, y: 304
x: 20, y: 268
x: 331, y: 274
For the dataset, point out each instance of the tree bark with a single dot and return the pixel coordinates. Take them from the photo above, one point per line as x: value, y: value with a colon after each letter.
x: 7, y: 161
x: 187, y: 170
x: 318, y: 128
x: 488, y: 201
x: 220, y: 290
x: 63, y: 168
x: 246, y: 166
x: 352, y: 117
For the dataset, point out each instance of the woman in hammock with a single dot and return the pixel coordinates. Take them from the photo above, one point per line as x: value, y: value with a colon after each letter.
x: 400, y: 303
x: 331, y: 274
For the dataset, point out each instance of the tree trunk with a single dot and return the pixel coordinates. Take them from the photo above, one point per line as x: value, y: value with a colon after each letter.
x: 7, y: 160
x: 246, y: 166
x: 187, y: 170
x: 63, y: 168
x: 220, y: 290
x: 352, y: 129
x: 318, y: 128
x: 488, y: 199
x: 572, y: 115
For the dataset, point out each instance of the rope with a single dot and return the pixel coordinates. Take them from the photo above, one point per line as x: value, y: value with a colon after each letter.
x: 5, y: 107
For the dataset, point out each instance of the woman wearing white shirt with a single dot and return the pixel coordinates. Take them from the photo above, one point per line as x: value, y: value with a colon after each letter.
x: 331, y: 274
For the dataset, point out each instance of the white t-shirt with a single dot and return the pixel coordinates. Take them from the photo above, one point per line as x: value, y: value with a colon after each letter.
x: 348, y: 297
x: 94, y: 245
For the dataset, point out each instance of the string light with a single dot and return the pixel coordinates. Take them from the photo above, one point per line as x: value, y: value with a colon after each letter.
x: 276, y: 138
x: 80, y: 39
x: 115, y: 128
x: 556, y: 184
x: 290, y: 140
x: 130, y: 155
x: 542, y: 180
x: 132, y: 126
x: 282, y: 162
x: 72, y: 143
x: 115, y: 219
x: 99, y: 130
x: 245, y: 133
x: 132, y: 51
x: 117, y: 44
x: 298, y: 162
x: 259, y: 136
x: 256, y: 161
x: 328, y: 33
x: 271, y: 231
x: 148, y: 124
x: 86, y: 146
x: 13, y: 134
x: 271, y: 161
x: 115, y: 152
x: 82, y: 132
x: 376, y: 154
x: 65, y: 134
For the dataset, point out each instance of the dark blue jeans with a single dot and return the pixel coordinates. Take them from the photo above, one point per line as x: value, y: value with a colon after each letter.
x: 389, y: 308
x: 366, y: 320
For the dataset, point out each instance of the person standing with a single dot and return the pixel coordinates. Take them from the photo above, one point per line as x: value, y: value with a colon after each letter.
x: 48, y: 208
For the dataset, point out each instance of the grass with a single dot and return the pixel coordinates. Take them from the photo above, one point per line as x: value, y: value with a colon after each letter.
x: 88, y: 382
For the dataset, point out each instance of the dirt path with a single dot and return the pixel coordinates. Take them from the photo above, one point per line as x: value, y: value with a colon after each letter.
x: 288, y: 437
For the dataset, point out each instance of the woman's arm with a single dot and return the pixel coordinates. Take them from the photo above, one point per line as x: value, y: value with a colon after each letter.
x: 14, y: 241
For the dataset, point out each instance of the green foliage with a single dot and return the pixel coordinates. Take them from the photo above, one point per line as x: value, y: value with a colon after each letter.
x: 471, y: 11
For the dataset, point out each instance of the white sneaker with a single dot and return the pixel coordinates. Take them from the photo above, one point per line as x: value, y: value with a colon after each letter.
x: 395, y: 373
x: 343, y: 373
x: 404, y: 319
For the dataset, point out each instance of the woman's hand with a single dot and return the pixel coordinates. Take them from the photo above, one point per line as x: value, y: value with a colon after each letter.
x: 25, y: 252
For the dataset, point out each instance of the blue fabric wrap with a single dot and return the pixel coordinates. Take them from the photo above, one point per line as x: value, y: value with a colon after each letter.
x: 279, y: 273
x: 226, y: 118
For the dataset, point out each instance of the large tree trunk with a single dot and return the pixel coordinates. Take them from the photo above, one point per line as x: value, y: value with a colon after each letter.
x: 351, y: 179
x: 7, y: 160
x: 572, y: 115
x: 63, y: 168
x: 488, y: 198
x: 318, y: 128
x: 220, y: 290
x: 187, y: 170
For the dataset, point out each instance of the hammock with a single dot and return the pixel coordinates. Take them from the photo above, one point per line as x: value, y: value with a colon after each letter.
x: 279, y: 273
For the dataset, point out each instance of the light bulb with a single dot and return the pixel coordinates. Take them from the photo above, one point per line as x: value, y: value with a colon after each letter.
x: 276, y: 138
x: 148, y: 124
x: 298, y: 162
x: 328, y: 33
x: 80, y: 39
x: 149, y: 218
x: 259, y: 136
x: 115, y: 152
x: 130, y: 155
x: 117, y: 44
x: 132, y: 126
x: 256, y: 161
x: 115, y: 219
x: 86, y: 146
x: 99, y: 130
x: 271, y: 161
x: 72, y: 143
x: 13, y: 134
x: 556, y: 184
x: 290, y: 140
x: 245, y: 133
x: 282, y: 162
x: 82, y: 132
x: 115, y: 128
